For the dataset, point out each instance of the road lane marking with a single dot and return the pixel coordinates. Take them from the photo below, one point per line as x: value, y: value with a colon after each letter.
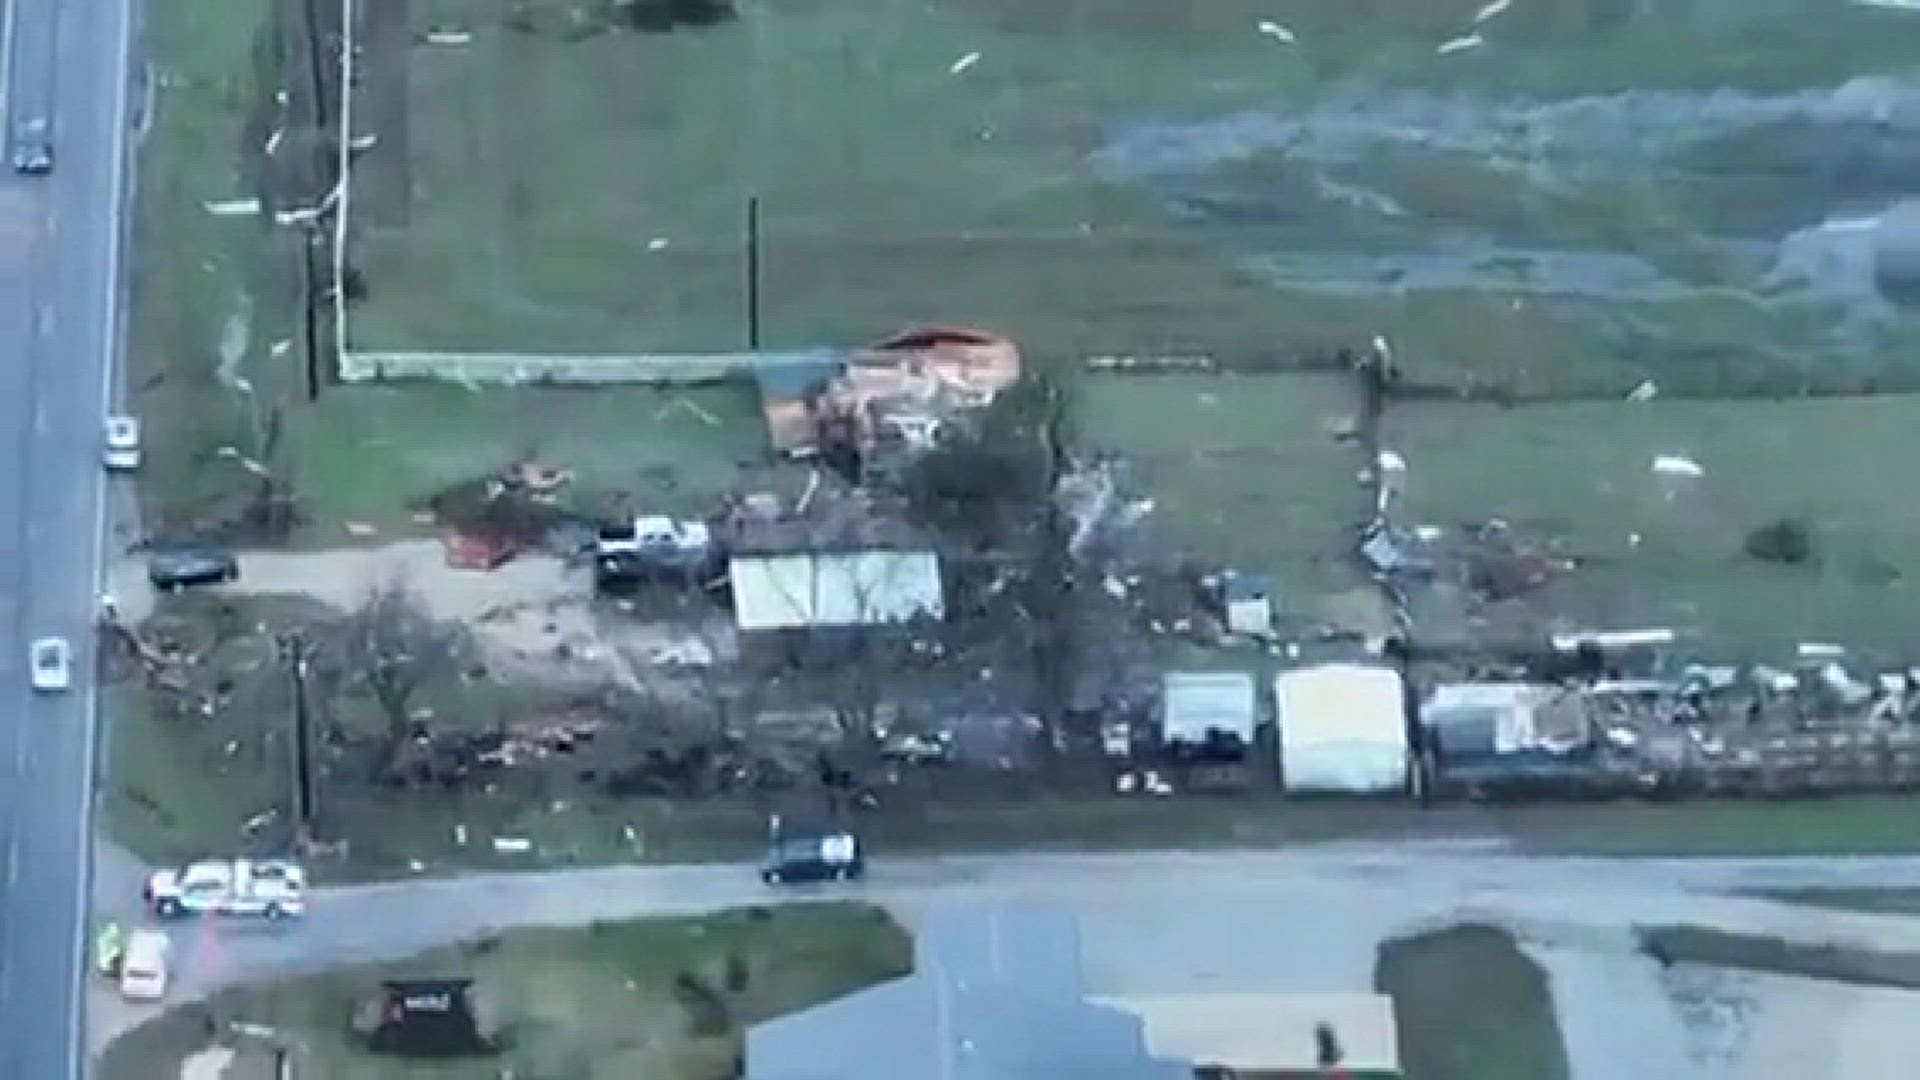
x: 42, y: 421
x: 13, y: 861
x: 43, y: 320
x: 6, y: 58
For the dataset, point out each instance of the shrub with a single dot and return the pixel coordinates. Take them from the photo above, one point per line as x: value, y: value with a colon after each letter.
x: 1788, y: 541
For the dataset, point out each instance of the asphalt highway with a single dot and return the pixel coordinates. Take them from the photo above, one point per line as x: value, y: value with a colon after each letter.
x: 60, y: 289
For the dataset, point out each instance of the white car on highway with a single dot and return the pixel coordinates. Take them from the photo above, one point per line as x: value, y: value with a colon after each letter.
x: 267, y: 888
x: 122, y: 453
x: 51, y: 662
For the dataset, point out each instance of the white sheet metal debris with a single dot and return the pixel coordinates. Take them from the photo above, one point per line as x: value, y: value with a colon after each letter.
x: 1275, y: 31
x: 1646, y: 391
x: 840, y: 588
x: 1342, y: 728
x: 1491, y: 10
x: 1850, y: 691
x: 1675, y: 465
x: 233, y: 207
x: 1652, y: 638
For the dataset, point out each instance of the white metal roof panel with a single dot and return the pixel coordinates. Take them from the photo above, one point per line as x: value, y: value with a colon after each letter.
x: 1342, y: 728
x: 825, y: 589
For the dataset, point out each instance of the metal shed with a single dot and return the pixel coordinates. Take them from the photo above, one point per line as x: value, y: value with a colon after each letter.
x: 1343, y: 727
x: 1195, y: 703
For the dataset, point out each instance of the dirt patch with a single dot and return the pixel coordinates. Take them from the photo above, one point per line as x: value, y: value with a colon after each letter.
x: 534, y: 617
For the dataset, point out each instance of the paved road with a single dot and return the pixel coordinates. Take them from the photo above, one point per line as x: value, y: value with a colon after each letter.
x: 59, y: 297
x: 1301, y: 919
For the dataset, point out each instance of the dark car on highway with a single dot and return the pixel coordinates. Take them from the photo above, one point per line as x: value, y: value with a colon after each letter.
x: 32, y: 148
x: 174, y: 568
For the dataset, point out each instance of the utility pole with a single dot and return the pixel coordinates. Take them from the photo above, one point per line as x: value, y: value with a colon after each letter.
x: 297, y: 657
x: 753, y: 273
x: 311, y: 307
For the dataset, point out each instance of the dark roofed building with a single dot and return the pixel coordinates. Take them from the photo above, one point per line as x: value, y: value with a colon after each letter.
x: 995, y: 994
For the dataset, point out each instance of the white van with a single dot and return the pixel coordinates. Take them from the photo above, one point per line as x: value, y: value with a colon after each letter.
x: 143, y: 966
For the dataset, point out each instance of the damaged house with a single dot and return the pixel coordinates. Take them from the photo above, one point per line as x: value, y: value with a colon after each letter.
x: 898, y: 390
x: 1514, y: 733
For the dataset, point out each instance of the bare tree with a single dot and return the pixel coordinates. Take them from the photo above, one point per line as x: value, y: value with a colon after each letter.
x: 389, y: 649
x: 994, y: 489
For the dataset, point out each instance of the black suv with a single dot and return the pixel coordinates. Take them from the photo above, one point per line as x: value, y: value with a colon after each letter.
x: 174, y: 568
x: 832, y: 856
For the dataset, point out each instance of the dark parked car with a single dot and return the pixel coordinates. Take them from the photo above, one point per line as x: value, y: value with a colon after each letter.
x: 173, y: 569
x: 32, y: 147
x: 833, y: 856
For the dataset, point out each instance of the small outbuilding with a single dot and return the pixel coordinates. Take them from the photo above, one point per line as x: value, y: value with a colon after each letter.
x: 1248, y: 599
x: 1202, y: 709
x: 1343, y: 728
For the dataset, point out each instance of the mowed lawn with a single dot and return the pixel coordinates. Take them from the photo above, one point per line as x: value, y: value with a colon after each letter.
x: 1470, y: 1006
x: 211, y: 289
x: 666, y: 999
x: 1245, y: 472
x: 370, y: 453
x: 202, y: 284
x: 1664, y: 550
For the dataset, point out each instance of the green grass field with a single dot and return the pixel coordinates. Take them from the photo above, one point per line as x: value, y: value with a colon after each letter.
x: 197, y: 278
x: 1583, y: 474
x: 370, y: 453
x: 596, y: 1002
x: 569, y: 186
x: 1244, y: 470
x: 204, y: 282
x: 1470, y: 1006
x: 595, y: 199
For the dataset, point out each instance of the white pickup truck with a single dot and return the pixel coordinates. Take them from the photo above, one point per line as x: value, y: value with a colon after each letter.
x: 267, y: 888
